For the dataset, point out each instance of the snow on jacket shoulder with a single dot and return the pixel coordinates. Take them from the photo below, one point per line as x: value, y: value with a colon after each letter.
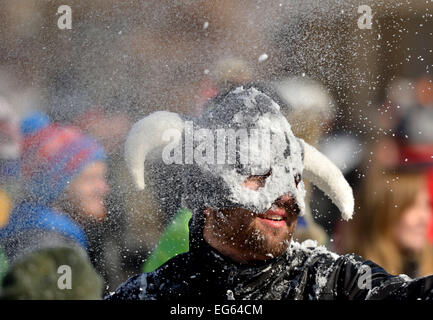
x: 304, y: 272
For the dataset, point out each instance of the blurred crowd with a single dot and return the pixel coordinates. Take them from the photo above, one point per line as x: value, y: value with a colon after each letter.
x: 394, y: 224
x: 63, y: 181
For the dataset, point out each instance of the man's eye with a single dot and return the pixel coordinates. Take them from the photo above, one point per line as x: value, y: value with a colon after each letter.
x: 260, y: 179
x: 297, y: 179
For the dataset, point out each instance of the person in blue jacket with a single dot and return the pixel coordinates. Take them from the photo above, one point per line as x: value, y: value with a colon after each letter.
x: 64, y: 186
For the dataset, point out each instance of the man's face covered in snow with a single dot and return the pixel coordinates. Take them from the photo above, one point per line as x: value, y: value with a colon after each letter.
x: 238, y: 167
x: 250, y: 203
x: 246, y: 236
x: 251, y: 206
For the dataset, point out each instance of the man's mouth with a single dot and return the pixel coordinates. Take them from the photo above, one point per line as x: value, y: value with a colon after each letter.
x: 275, y: 217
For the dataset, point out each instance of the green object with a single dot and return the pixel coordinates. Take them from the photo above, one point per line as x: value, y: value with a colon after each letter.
x: 3, y: 266
x: 52, y: 274
x: 174, y: 241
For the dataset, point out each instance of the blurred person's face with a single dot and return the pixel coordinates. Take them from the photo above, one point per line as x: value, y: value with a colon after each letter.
x: 87, y: 192
x: 411, y: 230
x: 424, y: 91
x: 246, y: 236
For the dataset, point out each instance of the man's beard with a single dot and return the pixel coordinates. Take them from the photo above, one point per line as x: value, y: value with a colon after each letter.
x: 243, y: 232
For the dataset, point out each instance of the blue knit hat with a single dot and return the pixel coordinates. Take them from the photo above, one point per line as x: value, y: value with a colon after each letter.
x: 53, y: 155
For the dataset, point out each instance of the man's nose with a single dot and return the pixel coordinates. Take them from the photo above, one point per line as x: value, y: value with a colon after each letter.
x: 285, y: 198
x: 254, y: 184
x: 287, y: 202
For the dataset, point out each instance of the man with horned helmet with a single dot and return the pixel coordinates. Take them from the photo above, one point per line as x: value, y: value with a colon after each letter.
x: 245, y: 206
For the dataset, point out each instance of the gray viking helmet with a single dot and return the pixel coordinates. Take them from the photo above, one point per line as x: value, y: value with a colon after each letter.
x: 203, y: 162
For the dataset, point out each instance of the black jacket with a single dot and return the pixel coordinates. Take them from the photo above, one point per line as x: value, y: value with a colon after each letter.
x: 303, y: 272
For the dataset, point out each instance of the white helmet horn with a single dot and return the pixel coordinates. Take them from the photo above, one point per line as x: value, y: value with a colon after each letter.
x: 320, y: 171
x: 146, y: 135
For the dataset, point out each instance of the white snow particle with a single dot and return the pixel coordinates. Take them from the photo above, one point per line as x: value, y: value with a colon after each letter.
x: 230, y: 295
x: 263, y: 57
